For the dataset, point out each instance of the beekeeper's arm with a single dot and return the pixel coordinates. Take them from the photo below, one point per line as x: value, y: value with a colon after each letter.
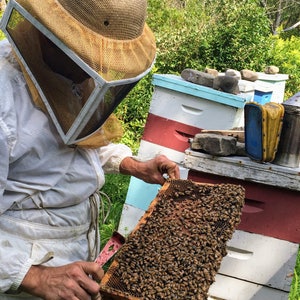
x: 118, y: 158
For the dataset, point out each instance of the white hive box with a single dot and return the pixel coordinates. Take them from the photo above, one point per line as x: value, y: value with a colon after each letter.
x: 247, y: 89
x: 277, y: 82
x: 180, y: 109
x: 195, y: 105
x: 251, y: 271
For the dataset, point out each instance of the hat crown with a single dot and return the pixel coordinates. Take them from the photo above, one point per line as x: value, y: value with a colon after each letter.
x: 114, y: 19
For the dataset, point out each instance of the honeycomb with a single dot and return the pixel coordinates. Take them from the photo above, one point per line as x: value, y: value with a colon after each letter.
x: 177, y: 247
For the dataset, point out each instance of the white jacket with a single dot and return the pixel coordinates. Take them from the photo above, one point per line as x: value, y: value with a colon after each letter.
x: 44, y: 185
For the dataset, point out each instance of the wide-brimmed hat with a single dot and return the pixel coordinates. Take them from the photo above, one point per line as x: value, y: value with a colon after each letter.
x: 110, y: 36
x: 106, y: 44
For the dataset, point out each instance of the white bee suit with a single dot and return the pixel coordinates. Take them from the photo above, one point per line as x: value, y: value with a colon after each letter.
x: 45, y: 186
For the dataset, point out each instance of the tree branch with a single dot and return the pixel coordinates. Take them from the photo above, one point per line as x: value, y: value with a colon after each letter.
x: 292, y: 27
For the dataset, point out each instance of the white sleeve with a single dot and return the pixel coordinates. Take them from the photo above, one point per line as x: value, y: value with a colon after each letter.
x: 112, y: 155
x: 14, y: 263
x: 4, y: 164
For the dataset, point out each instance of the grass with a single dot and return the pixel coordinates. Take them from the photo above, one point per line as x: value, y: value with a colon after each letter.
x: 295, y: 288
x: 116, y: 188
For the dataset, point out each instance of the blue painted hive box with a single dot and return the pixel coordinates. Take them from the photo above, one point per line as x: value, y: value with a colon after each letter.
x: 263, y: 92
x: 195, y: 105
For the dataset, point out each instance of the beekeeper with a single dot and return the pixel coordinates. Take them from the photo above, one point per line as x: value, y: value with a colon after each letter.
x: 64, y: 68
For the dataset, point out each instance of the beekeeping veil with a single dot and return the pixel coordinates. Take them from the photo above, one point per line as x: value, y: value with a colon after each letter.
x: 80, y: 59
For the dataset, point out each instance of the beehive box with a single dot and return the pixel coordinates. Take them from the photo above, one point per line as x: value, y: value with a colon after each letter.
x: 277, y: 81
x: 177, y: 247
x: 183, y: 108
x: 271, y: 191
x: 263, y: 92
x: 192, y: 104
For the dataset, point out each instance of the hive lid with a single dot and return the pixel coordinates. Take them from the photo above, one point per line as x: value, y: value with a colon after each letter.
x: 176, y: 83
x: 294, y: 100
x: 272, y: 77
x: 263, y: 86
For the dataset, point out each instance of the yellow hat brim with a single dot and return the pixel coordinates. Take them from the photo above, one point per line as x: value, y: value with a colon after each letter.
x: 112, y: 59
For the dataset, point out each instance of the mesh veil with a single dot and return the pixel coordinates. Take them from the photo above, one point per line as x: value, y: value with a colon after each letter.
x: 109, y: 36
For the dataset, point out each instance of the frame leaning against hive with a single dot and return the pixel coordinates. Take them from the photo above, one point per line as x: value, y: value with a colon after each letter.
x: 177, y: 247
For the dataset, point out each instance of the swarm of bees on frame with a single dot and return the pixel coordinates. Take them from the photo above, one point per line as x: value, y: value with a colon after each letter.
x: 177, y: 250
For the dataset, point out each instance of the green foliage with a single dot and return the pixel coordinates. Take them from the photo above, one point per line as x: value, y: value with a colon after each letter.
x: 116, y: 189
x: 295, y: 288
x: 217, y: 34
x: 239, y: 38
x: 177, y: 26
x: 2, y: 36
x: 285, y: 54
x: 283, y: 13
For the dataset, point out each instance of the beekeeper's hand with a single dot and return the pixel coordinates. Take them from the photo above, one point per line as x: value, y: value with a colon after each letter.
x: 152, y: 170
x: 70, y: 282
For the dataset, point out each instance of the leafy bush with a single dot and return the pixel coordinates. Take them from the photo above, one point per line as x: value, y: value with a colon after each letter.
x: 238, y: 36
x: 178, y: 30
x: 116, y: 189
x: 295, y: 288
x: 285, y: 53
x: 217, y: 34
x: 1, y: 32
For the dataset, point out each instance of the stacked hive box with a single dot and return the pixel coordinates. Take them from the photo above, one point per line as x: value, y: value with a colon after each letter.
x: 267, y: 238
x: 275, y: 82
x: 178, y: 110
x: 251, y: 270
x: 263, y: 92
